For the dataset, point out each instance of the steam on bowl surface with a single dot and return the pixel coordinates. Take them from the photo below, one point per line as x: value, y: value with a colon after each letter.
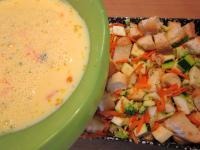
x: 61, y: 128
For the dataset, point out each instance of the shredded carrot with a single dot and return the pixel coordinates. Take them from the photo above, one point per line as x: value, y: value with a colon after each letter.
x: 113, y: 44
x: 110, y: 113
x: 173, y: 90
x: 116, y: 24
x: 178, y: 91
x: 147, y: 55
x: 139, y: 68
x: 121, y: 61
x: 155, y: 126
x: 140, y: 124
x: 133, y: 118
x: 146, y: 117
x: 142, y: 82
x: 135, y: 59
x: 133, y: 122
x: 134, y: 90
x: 161, y: 103
x: 69, y: 79
x: 106, y: 125
x: 168, y: 91
x: 133, y: 137
x: 178, y: 72
x: 194, y: 119
x: 117, y: 93
x: 133, y: 125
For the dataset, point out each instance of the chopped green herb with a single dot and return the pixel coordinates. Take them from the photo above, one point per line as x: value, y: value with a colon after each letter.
x: 121, y: 133
x: 127, y: 21
x: 130, y: 110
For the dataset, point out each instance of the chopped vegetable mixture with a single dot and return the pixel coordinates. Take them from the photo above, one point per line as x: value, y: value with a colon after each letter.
x: 153, y: 88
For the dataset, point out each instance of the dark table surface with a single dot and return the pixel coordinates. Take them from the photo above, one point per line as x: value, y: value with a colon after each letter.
x: 97, y: 144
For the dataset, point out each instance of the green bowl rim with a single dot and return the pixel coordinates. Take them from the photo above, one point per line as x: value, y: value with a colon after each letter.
x: 98, y: 75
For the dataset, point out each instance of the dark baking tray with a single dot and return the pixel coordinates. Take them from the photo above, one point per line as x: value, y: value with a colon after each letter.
x: 122, y: 144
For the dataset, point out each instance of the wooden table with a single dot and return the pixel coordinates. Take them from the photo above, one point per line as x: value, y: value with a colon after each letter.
x: 141, y: 8
x: 145, y: 8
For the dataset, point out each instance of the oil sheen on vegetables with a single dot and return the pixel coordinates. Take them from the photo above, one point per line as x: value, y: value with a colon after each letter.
x: 44, y: 49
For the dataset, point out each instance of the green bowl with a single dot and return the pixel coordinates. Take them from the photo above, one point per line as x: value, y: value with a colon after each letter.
x: 63, y: 127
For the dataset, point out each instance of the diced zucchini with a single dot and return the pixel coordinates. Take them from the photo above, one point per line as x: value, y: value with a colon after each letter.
x: 143, y: 130
x: 181, y: 52
x: 130, y: 109
x: 162, y: 134
x: 137, y: 105
x: 151, y: 96
x: 121, y: 133
x: 177, y: 44
x: 136, y: 51
x: 190, y: 59
x: 118, y: 106
x: 119, y: 30
x: 182, y: 104
x: 189, y: 101
x: 127, y: 21
x: 168, y: 65
x: 142, y: 109
x: 168, y: 58
x: 127, y: 69
x: 119, y: 121
x: 186, y: 62
x: 149, y: 103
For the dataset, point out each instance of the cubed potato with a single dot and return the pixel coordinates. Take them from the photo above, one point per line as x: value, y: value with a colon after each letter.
x: 119, y: 30
x: 124, y: 41
x: 118, y: 81
x: 173, y: 25
x: 175, y: 35
x: 161, y: 42
x: 162, y: 134
x: 122, y: 52
x: 190, y: 29
x: 146, y: 42
x: 135, y: 32
x: 107, y: 102
x: 151, y: 25
x: 194, y: 45
x: 127, y: 69
x: 136, y: 51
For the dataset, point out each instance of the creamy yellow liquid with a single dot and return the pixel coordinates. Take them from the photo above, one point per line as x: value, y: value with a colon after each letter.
x: 44, y: 48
